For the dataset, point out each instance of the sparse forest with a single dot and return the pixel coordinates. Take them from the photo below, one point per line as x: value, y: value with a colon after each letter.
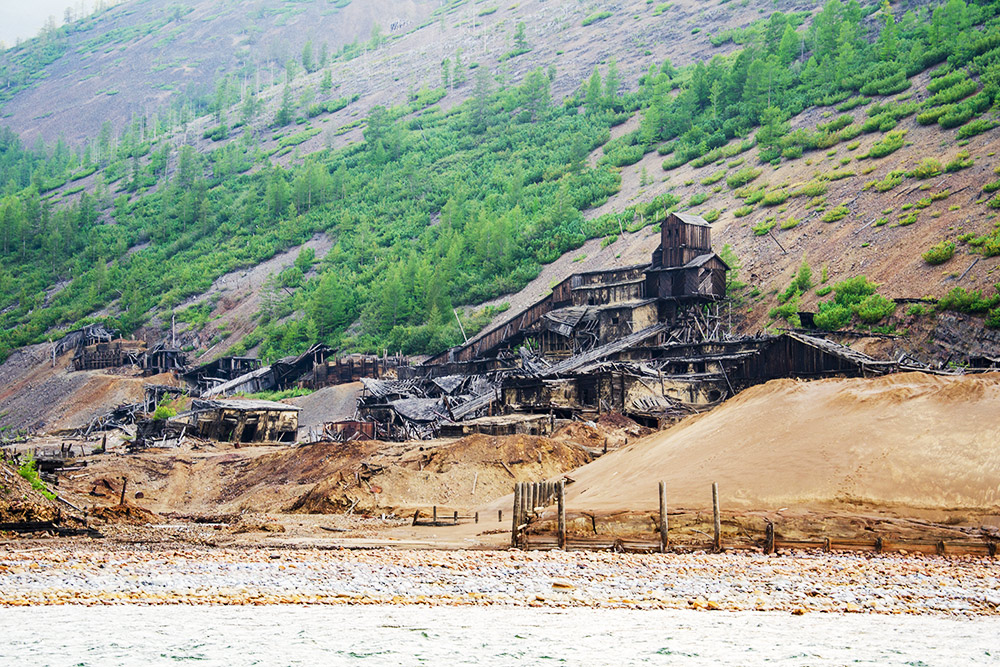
x: 437, y: 209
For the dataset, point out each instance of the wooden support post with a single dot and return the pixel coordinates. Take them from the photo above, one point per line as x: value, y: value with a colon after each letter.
x: 516, y: 514
x: 769, y: 538
x: 121, y: 501
x: 499, y: 516
x: 663, y: 517
x: 716, y: 518
x: 532, y: 498
x: 561, y: 502
x: 455, y: 517
x: 435, y: 515
x: 415, y: 515
x: 878, y: 545
x: 940, y: 548
x: 477, y: 517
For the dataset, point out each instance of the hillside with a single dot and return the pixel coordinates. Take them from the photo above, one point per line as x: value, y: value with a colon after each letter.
x: 470, y: 149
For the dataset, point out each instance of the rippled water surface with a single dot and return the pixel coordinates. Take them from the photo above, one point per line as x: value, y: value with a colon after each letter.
x: 411, y: 635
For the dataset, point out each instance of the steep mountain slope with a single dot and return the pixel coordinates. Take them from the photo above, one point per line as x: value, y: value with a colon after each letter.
x: 434, y: 184
x: 150, y: 57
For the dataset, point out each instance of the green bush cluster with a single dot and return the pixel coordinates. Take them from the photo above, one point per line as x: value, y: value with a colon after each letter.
x: 939, y: 253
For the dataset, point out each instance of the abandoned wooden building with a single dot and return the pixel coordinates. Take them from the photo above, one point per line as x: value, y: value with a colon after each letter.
x: 109, y: 354
x: 593, y: 308
x: 242, y: 420
x: 216, y: 372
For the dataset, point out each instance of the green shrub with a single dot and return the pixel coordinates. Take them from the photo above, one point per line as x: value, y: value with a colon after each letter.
x: 791, y: 152
x: 961, y: 301
x: 991, y: 187
x: 931, y: 116
x: 891, y: 180
x: 875, y: 307
x: 775, y: 197
x: 740, y: 178
x: 961, y: 161
x: 958, y: 114
x: 698, y: 199
x: 164, y: 412
x: 957, y: 92
x: 29, y: 471
x: 754, y: 196
x: 835, y: 214
x: 890, y: 143
x: 939, y: 253
x: 811, y: 189
x: 764, y: 226
x: 972, y: 128
x: 714, y: 177
x: 595, y: 17
x: 906, y: 220
x: 711, y: 216
x: 832, y: 317
x: 852, y: 103
x: 742, y: 211
x: 928, y: 168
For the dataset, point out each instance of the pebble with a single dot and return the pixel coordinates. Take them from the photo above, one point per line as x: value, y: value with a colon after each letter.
x: 799, y: 583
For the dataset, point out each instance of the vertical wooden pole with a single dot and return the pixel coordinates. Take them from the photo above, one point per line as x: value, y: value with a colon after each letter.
x: 717, y: 519
x: 435, y: 515
x: 532, y: 498
x: 516, y: 514
x: 499, y: 516
x: 415, y: 515
x: 455, y: 518
x: 561, y: 501
x: 663, y: 517
x: 769, y: 538
x: 121, y: 500
x: 477, y: 517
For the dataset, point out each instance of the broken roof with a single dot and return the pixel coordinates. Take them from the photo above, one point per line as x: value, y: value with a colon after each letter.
x: 691, y: 219
x: 242, y: 404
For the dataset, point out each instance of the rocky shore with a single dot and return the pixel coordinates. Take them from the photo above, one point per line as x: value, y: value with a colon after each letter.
x: 798, y: 583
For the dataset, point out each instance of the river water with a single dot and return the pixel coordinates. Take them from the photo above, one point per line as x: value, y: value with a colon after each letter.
x: 484, y: 636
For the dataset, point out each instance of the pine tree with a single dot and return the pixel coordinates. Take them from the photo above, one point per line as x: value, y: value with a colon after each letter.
x: 593, y: 96
x: 446, y: 73
x: 612, y: 82
x: 326, y: 83
x: 285, y: 113
x: 307, y: 57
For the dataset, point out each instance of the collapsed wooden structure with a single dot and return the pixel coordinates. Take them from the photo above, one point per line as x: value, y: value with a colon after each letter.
x: 645, y: 341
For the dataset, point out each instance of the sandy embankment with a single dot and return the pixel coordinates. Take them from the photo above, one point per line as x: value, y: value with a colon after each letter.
x: 907, y: 443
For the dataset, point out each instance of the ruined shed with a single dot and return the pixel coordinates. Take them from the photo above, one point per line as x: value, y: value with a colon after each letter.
x: 243, y: 420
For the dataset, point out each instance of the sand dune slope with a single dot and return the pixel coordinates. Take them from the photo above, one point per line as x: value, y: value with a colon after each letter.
x: 905, y: 441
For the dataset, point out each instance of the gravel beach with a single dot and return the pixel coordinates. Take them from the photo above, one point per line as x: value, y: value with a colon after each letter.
x: 801, y: 582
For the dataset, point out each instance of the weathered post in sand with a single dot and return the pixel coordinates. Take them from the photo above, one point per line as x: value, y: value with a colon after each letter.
x: 561, y: 500
x: 769, y: 538
x: 717, y: 543
x: 663, y: 517
x: 121, y: 501
x: 516, y: 514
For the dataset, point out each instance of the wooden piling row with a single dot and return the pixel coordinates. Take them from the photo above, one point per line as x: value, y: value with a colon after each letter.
x: 528, y: 498
x: 770, y: 544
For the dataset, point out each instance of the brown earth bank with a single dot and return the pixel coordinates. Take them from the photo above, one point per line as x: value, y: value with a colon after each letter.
x: 902, y: 457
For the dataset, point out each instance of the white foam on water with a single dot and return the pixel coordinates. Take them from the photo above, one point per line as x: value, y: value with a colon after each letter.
x: 484, y: 636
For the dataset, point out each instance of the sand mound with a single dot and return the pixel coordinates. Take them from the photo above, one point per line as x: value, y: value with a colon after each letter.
x: 458, y: 475
x: 908, y: 441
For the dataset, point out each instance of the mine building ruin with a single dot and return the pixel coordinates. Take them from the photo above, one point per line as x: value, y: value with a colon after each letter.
x: 242, y: 420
